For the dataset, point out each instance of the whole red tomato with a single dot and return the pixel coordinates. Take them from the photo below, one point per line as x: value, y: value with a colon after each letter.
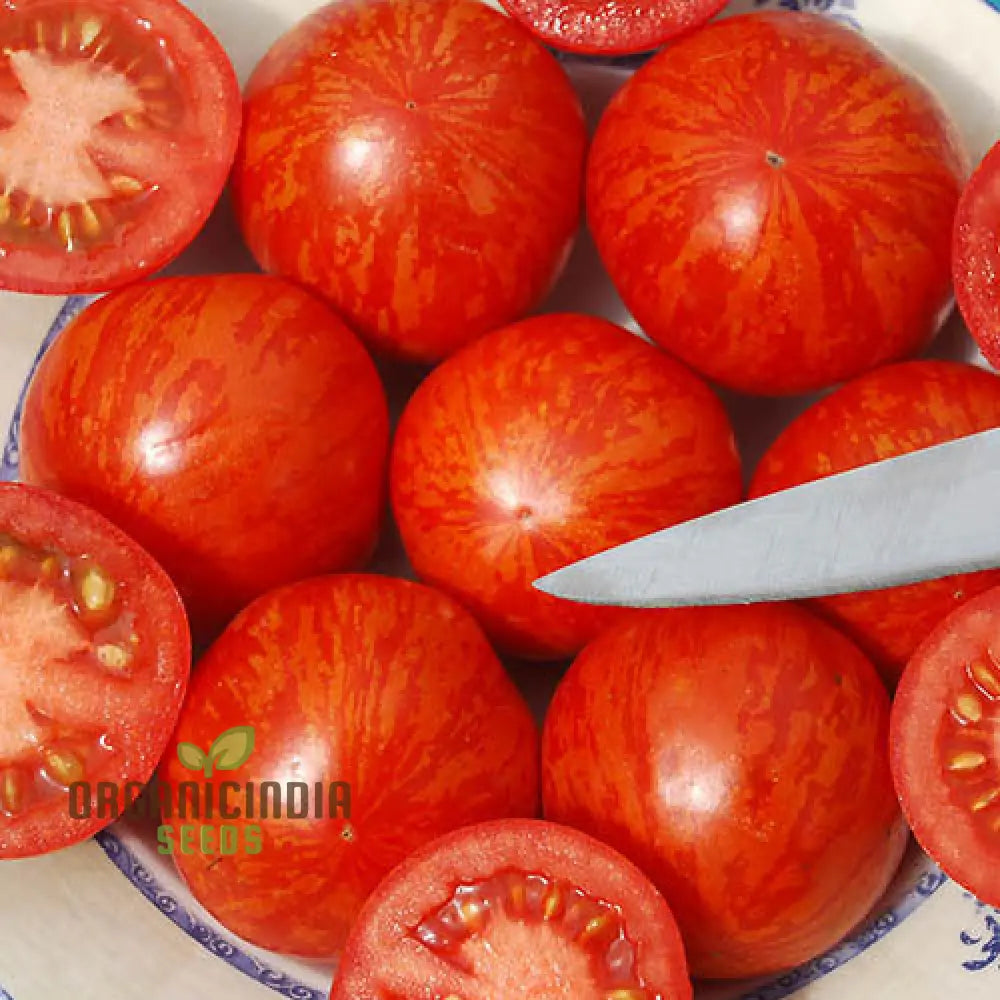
x: 378, y: 684
x: 881, y: 415
x: 231, y: 424
x: 418, y: 163
x: 739, y: 756
x: 543, y: 443
x: 774, y: 200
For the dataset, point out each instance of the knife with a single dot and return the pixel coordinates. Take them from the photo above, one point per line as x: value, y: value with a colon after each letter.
x: 921, y: 516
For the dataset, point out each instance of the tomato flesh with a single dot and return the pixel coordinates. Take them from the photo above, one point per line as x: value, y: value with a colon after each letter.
x: 98, y: 120
x: 976, y: 256
x: 91, y: 677
x: 946, y: 746
x: 518, y: 908
x: 602, y: 28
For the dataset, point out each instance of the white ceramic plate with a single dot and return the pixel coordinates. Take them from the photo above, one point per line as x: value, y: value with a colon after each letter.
x: 928, y: 940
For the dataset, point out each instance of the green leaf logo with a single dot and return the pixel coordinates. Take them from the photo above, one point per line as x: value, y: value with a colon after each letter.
x: 230, y: 750
x: 191, y: 756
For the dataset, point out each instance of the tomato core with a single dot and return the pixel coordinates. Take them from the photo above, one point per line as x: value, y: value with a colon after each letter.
x: 63, y: 612
x: 495, y: 930
x: 969, y: 746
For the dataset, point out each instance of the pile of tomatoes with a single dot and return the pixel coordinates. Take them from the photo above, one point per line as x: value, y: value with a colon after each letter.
x: 207, y: 463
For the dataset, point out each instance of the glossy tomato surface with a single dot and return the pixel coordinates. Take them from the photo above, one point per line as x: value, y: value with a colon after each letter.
x: 600, y: 28
x: 119, y: 121
x: 96, y: 656
x: 946, y: 746
x: 419, y: 163
x: 232, y: 424
x: 774, y: 200
x: 515, y: 908
x: 976, y: 258
x: 379, y: 683
x: 739, y: 756
x: 540, y: 444
x: 886, y: 413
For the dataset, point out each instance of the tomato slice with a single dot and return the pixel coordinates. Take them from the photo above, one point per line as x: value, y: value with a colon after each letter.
x: 601, y: 28
x: 976, y: 256
x: 945, y: 738
x: 515, y: 908
x: 119, y: 121
x: 94, y: 658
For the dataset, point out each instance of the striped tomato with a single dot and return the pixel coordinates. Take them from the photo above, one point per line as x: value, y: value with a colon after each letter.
x: 231, y: 424
x: 740, y: 757
x: 418, y: 163
x: 547, y: 441
x: 886, y: 413
x: 775, y: 200
x: 377, y: 684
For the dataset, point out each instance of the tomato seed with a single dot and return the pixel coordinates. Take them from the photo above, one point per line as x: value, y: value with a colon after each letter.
x: 123, y: 184
x: 595, y: 927
x: 552, y: 904
x: 40, y: 38
x: 97, y: 592
x: 90, y: 220
x: 985, y: 801
x: 89, y: 31
x: 970, y: 760
x: 5, y: 210
x: 12, y: 792
x: 65, y: 228
x: 969, y: 708
x: 985, y: 679
x: 517, y: 898
x: 473, y: 916
x: 632, y: 993
x: 114, y: 658
x: 64, y: 765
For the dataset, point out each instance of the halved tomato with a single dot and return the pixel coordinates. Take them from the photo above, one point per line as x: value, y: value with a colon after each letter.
x: 515, y: 908
x: 945, y: 736
x: 94, y: 660
x: 976, y: 256
x: 119, y: 121
x: 602, y: 28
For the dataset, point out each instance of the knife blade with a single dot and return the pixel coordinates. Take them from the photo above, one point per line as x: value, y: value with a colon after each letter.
x: 921, y: 516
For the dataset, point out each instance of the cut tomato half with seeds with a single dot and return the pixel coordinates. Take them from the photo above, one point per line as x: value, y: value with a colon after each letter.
x: 515, y: 908
x: 119, y: 121
x: 94, y: 658
x: 600, y: 27
x: 976, y: 256
x: 946, y: 746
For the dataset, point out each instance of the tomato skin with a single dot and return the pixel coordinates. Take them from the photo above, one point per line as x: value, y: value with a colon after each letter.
x: 378, y: 682
x: 138, y: 722
x: 542, y: 443
x: 745, y: 771
x: 593, y: 27
x: 976, y: 256
x: 881, y: 415
x: 231, y: 423
x: 178, y: 212
x: 405, y: 203
x: 377, y: 952
x: 770, y: 195
x: 963, y: 842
